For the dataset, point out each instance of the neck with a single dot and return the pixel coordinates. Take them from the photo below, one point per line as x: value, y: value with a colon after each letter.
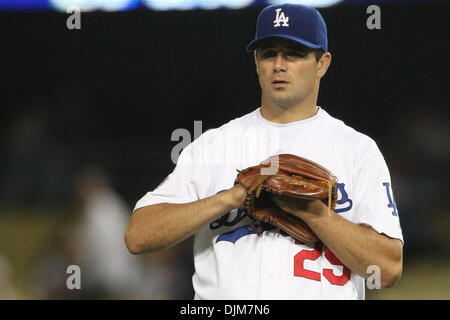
x: 285, y: 114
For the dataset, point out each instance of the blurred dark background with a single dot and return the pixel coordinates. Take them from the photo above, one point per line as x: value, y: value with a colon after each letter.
x: 107, y: 98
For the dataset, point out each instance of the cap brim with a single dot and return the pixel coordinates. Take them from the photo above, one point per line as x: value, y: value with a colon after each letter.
x: 252, y: 45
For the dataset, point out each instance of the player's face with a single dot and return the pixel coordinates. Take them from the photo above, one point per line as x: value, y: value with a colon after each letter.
x: 288, y: 72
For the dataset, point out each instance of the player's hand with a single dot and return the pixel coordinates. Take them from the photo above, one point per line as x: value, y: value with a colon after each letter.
x: 304, y: 209
x: 238, y: 195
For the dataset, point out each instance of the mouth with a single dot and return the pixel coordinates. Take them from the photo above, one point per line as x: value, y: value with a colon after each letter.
x: 279, y: 83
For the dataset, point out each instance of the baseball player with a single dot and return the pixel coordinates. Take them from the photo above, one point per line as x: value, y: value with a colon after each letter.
x: 233, y: 261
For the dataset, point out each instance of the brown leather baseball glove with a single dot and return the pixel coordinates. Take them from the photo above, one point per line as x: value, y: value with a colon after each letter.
x: 286, y: 175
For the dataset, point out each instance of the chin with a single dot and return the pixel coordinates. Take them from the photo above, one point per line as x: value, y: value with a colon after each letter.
x: 283, y: 102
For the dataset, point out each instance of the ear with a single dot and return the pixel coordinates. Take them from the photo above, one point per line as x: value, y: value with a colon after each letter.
x: 323, y: 64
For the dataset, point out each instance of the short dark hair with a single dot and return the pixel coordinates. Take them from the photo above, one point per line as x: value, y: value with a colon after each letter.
x: 318, y: 53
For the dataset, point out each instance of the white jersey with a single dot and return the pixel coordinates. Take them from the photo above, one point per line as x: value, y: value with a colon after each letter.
x: 233, y: 262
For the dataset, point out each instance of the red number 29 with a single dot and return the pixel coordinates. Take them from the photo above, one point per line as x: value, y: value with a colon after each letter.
x: 300, y: 271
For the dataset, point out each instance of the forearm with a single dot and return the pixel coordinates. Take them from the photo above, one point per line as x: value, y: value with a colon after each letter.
x: 359, y: 247
x: 356, y: 246
x: 164, y: 225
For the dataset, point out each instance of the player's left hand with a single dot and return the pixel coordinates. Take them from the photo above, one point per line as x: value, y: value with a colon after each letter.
x: 304, y: 209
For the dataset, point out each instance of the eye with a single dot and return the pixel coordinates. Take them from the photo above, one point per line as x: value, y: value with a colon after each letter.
x: 269, y: 53
x: 295, y: 54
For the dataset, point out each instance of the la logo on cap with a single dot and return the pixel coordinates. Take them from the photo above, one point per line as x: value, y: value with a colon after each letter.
x: 281, y: 18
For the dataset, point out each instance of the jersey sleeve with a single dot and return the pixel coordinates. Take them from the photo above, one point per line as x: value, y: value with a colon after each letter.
x: 189, y: 181
x: 374, y: 196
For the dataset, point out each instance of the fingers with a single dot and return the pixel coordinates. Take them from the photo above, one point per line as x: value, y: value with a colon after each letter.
x: 288, y: 203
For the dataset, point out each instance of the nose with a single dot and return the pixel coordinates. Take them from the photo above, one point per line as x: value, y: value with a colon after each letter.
x: 279, y: 63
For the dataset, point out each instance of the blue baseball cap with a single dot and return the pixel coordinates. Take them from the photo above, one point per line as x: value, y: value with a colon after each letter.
x: 295, y: 22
